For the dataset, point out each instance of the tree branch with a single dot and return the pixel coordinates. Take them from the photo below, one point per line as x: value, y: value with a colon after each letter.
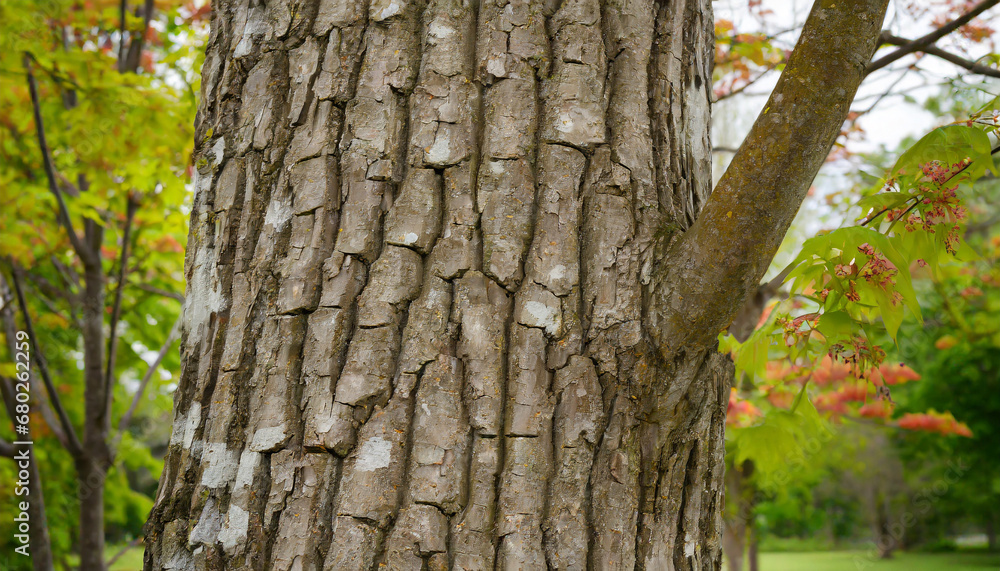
x: 7, y: 317
x: 7, y: 450
x: 122, y: 13
x: 923, y: 42
x: 744, y: 87
x: 737, y: 234
x: 116, y: 310
x: 48, y: 288
x: 161, y: 292
x: 72, y: 442
x: 970, y: 65
x: 138, y: 42
x: 171, y: 337
x: 131, y: 545
x: 69, y: 277
x: 82, y: 250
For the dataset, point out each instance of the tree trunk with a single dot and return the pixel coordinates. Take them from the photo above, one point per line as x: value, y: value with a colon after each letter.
x: 739, y: 517
x: 92, y: 464
x: 734, y: 543
x: 41, y: 544
x: 991, y: 533
x: 417, y: 329
x: 885, y: 542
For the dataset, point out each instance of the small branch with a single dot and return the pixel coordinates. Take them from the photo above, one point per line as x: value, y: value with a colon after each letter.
x: 923, y: 42
x: 85, y: 253
x: 138, y: 42
x: 947, y: 56
x: 116, y: 310
x: 7, y: 385
x: 69, y: 277
x: 122, y: 10
x: 7, y: 450
x: 881, y: 96
x: 160, y: 292
x: 72, y: 442
x: 127, y: 417
x: 131, y: 545
x: 49, y: 288
x: 970, y: 65
x: 920, y: 196
x: 744, y: 87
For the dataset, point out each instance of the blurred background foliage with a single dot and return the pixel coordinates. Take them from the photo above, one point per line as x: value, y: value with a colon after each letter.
x: 113, y: 135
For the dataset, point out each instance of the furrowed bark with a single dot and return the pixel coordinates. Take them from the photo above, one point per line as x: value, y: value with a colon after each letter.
x: 725, y: 254
x: 415, y: 334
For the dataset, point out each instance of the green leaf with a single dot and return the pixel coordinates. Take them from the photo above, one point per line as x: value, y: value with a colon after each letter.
x: 949, y: 144
x: 837, y: 326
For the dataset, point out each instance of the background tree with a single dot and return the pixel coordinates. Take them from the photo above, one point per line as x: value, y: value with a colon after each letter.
x: 94, y: 151
x: 879, y: 491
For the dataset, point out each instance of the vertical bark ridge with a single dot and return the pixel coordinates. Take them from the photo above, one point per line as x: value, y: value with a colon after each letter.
x: 372, y: 405
x: 618, y: 210
x: 372, y: 162
x: 261, y: 290
x: 680, y: 97
x: 511, y: 53
x: 482, y: 310
x: 685, y: 479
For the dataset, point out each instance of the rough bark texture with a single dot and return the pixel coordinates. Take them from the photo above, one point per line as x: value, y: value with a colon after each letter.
x: 416, y: 335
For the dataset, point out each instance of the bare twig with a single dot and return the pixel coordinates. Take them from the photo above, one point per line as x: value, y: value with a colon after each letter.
x: 7, y: 450
x: 921, y: 43
x: 127, y: 417
x: 725, y: 150
x: 116, y: 310
x: 131, y: 545
x: 159, y: 291
x: 72, y: 442
x: 742, y: 88
x: 69, y: 277
x: 49, y: 288
x: 970, y: 65
x: 85, y: 252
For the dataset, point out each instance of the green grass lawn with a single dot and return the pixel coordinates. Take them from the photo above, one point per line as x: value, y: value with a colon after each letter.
x: 809, y: 561
x: 859, y: 561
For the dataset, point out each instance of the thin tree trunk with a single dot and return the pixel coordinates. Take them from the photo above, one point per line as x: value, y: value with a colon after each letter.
x: 884, y: 540
x: 753, y: 554
x: 92, y: 463
x: 41, y: 545
x: 734, y: 543
x: 991, y: 532
x: 416, y: 331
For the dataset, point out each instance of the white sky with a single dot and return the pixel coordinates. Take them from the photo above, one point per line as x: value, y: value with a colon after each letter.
x: 891, y: 121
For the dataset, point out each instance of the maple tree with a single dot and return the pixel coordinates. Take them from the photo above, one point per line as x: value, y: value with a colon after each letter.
x: 118, y: 146
x: 849, y: 288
